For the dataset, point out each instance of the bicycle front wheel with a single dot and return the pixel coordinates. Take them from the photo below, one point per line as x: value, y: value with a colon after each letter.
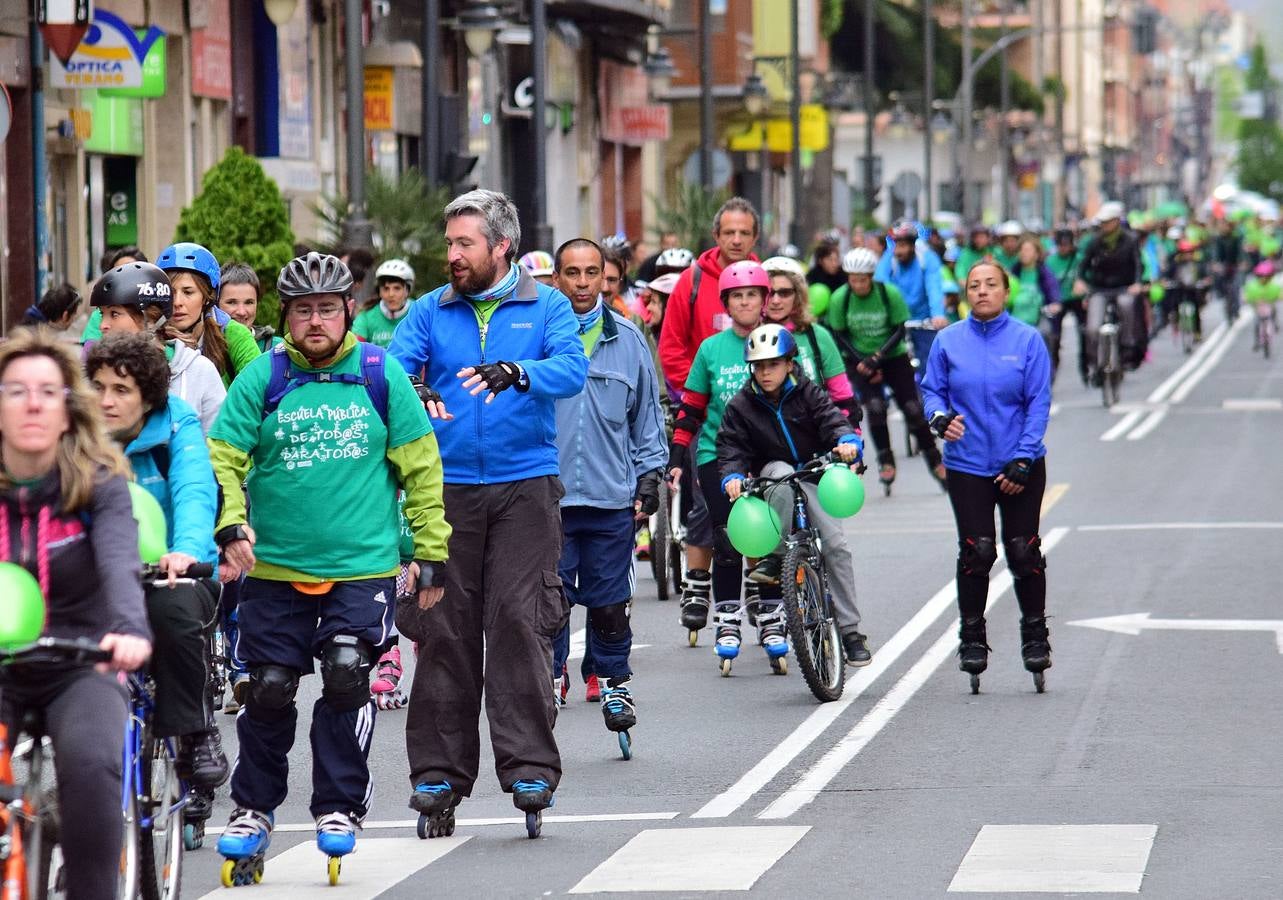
x: 160, y: 825
x: 812, y: 627
x: 659, y: 546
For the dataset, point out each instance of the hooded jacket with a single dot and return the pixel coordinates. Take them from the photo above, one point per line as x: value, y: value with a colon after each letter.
x: 998, y: 375
x: 90, y: 573
x: 195, y: 380
x: 688, y: 325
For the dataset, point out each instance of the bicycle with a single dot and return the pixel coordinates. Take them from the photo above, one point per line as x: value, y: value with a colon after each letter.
x: 668, y: 542
x: 1109, y: 354
x: 911, y: 448
x: 804, y: 581
x: 1264, y: 327
x: 29, y: 811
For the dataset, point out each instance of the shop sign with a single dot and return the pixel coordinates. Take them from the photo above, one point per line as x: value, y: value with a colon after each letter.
x: 111, y: 55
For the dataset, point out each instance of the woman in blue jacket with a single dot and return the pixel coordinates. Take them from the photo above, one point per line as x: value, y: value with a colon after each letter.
x: 162, y: 437
x: 987, y: 392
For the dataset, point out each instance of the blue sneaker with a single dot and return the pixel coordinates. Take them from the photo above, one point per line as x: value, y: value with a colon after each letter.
x: 434, y: 797
x: 726, y: 622
x: 336, y: 833
x: 531, y: 796
x: 248, y: 833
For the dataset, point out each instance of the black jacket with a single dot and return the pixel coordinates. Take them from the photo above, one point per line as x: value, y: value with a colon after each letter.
x: 1112, y: 264
x: 755, y: 431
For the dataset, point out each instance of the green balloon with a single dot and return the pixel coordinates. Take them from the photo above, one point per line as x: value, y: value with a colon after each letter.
x: 820, y: 296
x: 151, y: 524
x: 841, y: 492
x: 22, y: 609
x: 1156, y: 293
x: 753, y: 527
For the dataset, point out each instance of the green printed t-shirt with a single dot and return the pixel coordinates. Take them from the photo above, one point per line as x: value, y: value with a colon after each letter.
x: 1025, y: 302
x: 719, y: 371
x: 323, y: 495
x: 1065, y: 268
x: 830, y: 356
x: 1257, y: 291
x: 374, y: 326
x: 870, y: 322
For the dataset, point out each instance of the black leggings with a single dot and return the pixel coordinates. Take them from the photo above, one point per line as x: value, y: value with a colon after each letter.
x: 728, y: 566
x: 180, y: 619
x: 974, y: 498
x: 897, y: 374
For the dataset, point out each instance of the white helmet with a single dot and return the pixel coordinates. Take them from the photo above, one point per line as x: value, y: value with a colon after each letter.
x: 860, y: 261
x: 1009, y: 228
x: 396, y: 268
x: 785, y: 264
x: 1175, y: 233
x: 769, y: 341
x: 664, y: 284
x: 1109, y: 211
x: 675, y: 258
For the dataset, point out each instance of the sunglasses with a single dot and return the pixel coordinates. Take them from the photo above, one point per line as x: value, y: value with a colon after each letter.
x: 786, y: 293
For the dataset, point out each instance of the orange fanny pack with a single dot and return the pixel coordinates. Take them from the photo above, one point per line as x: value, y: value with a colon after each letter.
x: 313, y: 589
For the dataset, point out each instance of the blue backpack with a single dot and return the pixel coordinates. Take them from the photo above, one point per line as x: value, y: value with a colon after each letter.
x: 285, y: 378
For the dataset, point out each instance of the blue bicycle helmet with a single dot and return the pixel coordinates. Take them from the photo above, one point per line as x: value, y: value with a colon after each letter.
x: 769, y: 341
x: 190, y: 257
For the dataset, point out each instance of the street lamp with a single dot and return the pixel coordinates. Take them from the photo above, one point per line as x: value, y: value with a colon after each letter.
x: 899, y: 125
x: 941, y: 127
x: 479, y: 25
x: 280, y: 11
x: 660, y: 70
x: 755, y: 95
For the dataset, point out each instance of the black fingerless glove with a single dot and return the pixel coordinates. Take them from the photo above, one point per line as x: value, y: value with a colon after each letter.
x: 873, y: 361
x: 648, y: 492
x: 502, y: 375
x: 431, y: 574
x: 1017, y: 471
x: 427, y: 393
x: 677, y: 455
x: 940, y: 422
x: 230, y: 535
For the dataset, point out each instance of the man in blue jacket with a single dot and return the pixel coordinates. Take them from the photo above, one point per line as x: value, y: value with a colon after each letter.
x: 917, y: 275
x: 613, y: 450
x: 493, y: 351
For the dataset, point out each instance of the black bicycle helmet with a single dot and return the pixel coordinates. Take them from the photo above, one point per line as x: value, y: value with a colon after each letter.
x: 315, y: 273
x: 135, y: 284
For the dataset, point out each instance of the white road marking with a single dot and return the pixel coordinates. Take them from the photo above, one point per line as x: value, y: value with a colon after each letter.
x: 1263, y: 404
x: 1123, y: 425
x: 1053, y: 495
x: 377, y: 865
x: 1164, y: 390
x: 1180, y: 526
x: 395, y: 824
x: 1050, y: 859
x: 577, y: 642
x: 816, y: 778
x: 1210, y: 361
x: 1144, y: 428
x: 692, y: 859
x: 1135, y: 623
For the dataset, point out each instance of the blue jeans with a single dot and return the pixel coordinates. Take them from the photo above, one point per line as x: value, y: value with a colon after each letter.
x: 922, y: 340
x: 596, y: 570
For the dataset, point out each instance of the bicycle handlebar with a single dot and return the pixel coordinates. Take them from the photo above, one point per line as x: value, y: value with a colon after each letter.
x: 54, y: 649
x: 805, y: 472
x: 194, y: 572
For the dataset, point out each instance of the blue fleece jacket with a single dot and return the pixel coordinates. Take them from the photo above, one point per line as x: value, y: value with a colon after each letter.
x: 998, y: 375
x: 920, y: 282
x: 514, y: 436
x: 187, y: 492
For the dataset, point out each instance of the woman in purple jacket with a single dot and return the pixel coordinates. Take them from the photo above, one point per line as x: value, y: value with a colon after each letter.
x: 987, y: 392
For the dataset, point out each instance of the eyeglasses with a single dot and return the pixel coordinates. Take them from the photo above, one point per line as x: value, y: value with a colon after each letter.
x: 786, y: 293
x: 46, y: 394
x: 304, y: 313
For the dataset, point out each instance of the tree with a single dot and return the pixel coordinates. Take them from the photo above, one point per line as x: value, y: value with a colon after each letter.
x: 239, y: 216
x: 406, y: 218
x: 1260, y: 141
x: 690, y: 216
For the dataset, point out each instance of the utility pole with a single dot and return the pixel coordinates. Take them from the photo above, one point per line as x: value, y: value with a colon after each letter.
x: 968, y: 9
x: 705, y: 97
x: 539, y: 52
x: 928, y: 95
x: 795, y: 118
x: 429, y: 105
x: 870, y: 105
x: 358, y: 226
x: 1004, y: 143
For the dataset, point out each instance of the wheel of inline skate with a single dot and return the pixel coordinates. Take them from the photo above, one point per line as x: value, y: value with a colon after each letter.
x: 421, y: 828
x: 534, y: 824
x: 334, y: 867
x: 625, y: 745
x: 693, y: 637
x: 975, y: 684
x: 228, y: 874
x: 193, y: 835
x: 725, y: 666
x: 780, y: 665
x: 1040, y: 683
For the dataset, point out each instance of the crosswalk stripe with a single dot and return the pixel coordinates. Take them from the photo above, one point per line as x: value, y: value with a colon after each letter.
x: 728, y: 858
x: 377, y: 865
x: 1056, y: 859
x: 520, y: 819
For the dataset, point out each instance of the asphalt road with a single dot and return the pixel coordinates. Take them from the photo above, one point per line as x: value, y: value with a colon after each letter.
x: 1149, y: 765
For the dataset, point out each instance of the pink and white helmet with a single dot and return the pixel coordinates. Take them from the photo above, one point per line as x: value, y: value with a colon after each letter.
x: 745, y: 273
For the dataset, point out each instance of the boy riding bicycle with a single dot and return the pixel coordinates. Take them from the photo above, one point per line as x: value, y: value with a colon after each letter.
x: 778, y: 421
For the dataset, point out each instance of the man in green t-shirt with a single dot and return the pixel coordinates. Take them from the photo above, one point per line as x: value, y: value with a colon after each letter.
x: 320, y: 430
x: 1064, y: 263
x: 394, y: 280
x: 869, y: 316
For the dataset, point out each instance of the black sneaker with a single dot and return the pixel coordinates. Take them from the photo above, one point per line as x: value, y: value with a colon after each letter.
x: 767, y: 571
x: 857, y: 651
x: 201, y: 759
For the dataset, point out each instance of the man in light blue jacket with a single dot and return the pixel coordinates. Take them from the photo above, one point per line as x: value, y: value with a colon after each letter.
x: 492, y: 352
x: 613, y: 451
x: 917, y: 274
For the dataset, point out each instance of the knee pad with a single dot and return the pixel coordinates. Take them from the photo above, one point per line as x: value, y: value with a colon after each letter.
x: 877, y: 407
x: 345, y: 672
x: 976, y: 555
x: 1024, y: 557
x: 610, y: 623
x: 724, y: 553
x: 271, y: 691
x: 912, y: 410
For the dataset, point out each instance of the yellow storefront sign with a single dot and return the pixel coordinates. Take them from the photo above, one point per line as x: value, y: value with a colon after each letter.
x: 378, y: 98
x: 778, y: 133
